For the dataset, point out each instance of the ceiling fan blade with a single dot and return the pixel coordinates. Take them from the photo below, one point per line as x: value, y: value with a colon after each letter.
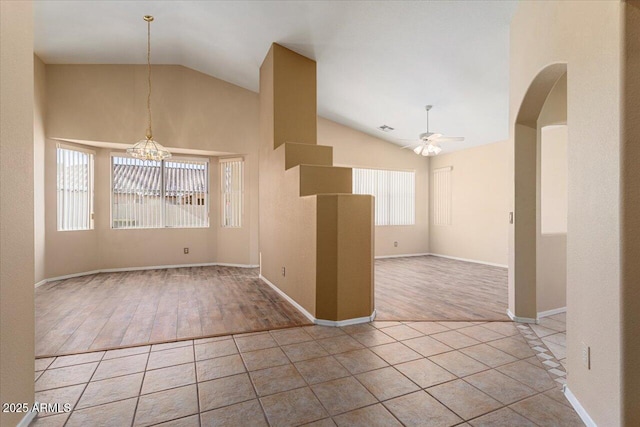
x: 434, y: 136
x: 415, y: 144
x: 450, y: 138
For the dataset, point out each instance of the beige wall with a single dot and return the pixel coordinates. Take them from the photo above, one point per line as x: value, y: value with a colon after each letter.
x: 479, y: 224
x: 586, y: 36
x: 16, y: 206
x: 191, y: 111
x: 356, y: 149
x: 39, y: 135
x: 552, y: 165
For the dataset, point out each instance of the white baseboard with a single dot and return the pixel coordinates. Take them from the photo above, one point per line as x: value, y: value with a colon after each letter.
x: 311, y: 317
x: 27, y: 419
x: 520, y: 319
x: 401, y: 255
x: 470, y: 260
x: 347, y: 322
x: 582, y: 413
x: 152, y: 267
x: 552, y: 312
x: 289, y: 299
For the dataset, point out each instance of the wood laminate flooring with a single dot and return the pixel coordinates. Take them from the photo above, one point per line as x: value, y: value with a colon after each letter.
x: 113, y: 310
x: 433, y: 288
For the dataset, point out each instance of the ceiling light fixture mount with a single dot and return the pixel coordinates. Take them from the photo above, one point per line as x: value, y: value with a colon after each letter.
x: 148, y: 149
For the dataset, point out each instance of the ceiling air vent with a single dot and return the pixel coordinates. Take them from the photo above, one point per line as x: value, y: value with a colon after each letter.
x: 385, y: 128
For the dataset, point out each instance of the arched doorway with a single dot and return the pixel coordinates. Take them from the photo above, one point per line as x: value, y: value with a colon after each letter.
x: 523, y: 232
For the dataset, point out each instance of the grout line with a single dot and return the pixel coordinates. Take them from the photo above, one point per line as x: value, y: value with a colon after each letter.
x: 195, y: 374
x: 73, y: 409
x: 144, y: 374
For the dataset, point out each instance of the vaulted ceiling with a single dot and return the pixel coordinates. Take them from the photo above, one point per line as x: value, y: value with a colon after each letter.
x: 379, y: 62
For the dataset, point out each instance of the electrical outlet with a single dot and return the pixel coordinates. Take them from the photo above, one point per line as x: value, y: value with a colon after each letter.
x: 586, y: 356
x: 186, y: 251
x: 395, y: 244
x: 283, y: 271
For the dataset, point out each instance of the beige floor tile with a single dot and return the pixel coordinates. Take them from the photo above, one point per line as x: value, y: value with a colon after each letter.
x: 76, y: 359
x: 456, y: 325
x: 174, y: 356
x: 121, y: 366
x: 488, y: 355
x: 559, y: 351
x: 225, y: 391
x: 458, y: 363
x: 504, y: 417
x: 560, y: 339
x: 402, y: 332
x: 395, y: 353
x: 62, y: 377
x: 514, y: 347
x: 320, y: 370
x: 427, y: 346
x: 560, y: 317
x: 499, y: 386
x: 42, y: 364
x: 535, y: 361
x: 420, y: 409
x: 541, y: 331
x: 380, y: 324
x: 112, y: 414
x: 557, y: 395
x: 480, y: 333
x: 425, y: 373
x: 370, y: 416
x: 166, y: 405
x: 212, y: 339
x: 464, y: 399
x: 320, y: 332
x: 547, y: 412
x: 455, y: 339
x: 219, y: 367
x: 52, y: 421
x: 170, y: 377
x: 553, y: 324
x: 37, y: 375
x: 327, y: 422
x: 263, y: 359
x: 247, y: 414
x: 304, y: 351
x: 170, y: 345
x: 111, y: 390
x: 358, y: 361
x: 61, y: 395
x: 532, y: 376
x: 275, y: 380
x: 358, y: 329
x: 122, y: 352
x: 215, y: 349
x: 339, y: 344
x: 190, y: 421
x: 290, y: 336
x: 428, y: 328
x: 503, y: 328
x: 343, y: 395
x: 373, y: 338
x: 255, y: 342
x: 292, y: 408
x: 386, y: 383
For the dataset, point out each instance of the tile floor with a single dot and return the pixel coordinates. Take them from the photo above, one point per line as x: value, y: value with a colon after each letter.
x: 378, y: 374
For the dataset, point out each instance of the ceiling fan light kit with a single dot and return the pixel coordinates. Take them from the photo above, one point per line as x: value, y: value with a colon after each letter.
x: 428, y: 144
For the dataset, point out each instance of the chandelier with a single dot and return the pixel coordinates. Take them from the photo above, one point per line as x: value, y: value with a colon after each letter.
x: 148, y: 149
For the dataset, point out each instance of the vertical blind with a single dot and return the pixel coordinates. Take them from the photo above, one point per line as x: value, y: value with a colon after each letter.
x: 154, y: 194
x: 231, y: 191
x: 75, y: 189
x: 442, y: 196
x: 394, y: 193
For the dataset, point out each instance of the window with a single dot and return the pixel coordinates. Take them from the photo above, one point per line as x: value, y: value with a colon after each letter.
x: 75, y: 189
x: 442, y: 196
x: 394, y: 193
x: 231, y: 191
x: 150, y: 194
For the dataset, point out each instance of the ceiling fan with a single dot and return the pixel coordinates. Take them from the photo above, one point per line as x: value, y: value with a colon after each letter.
x: 429, y: 142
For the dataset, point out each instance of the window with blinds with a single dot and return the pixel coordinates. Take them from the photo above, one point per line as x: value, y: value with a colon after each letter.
x: 231, y: 191
x: 153, y: 194
x: 394, y: 193
x: 442, y: 196
x: 75, y: 189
